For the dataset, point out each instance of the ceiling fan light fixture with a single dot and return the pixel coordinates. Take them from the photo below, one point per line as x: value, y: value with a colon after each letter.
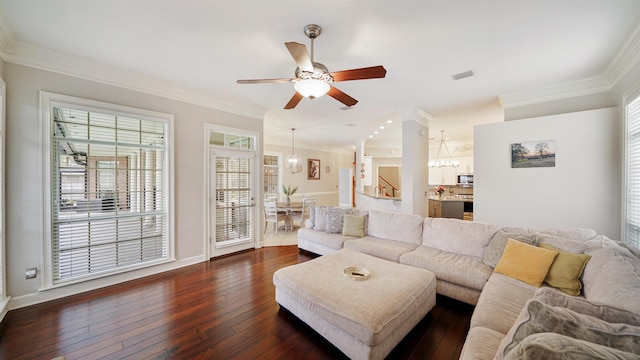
x: 311, y: 88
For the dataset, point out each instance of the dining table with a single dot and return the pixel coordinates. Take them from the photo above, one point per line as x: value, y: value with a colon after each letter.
x: 288, y: 209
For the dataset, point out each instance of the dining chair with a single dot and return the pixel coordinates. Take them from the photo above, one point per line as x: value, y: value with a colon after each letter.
x: 271, y: 215
x: 303, y: 214
x: 270, y: 197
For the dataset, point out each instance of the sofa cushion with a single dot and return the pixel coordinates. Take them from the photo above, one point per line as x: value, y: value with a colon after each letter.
x: 565, y: 271
x: 500, y: 302
x: 335, y: 219
x: 334, y: 241
x: 550, y: 346
x: 395, y: 226
x: 602, y: 250
x: 499, y: 241
x: 481, y: 343
x: 618, y: 284
x: 458, y: 269
x: 581, y: 305
x: 381, y: 248
x: 568, y: 245
x: 580, y: 234
x: 457, y: 236
x: 353, y: 225
x: 537, y: 317
x: 525, y: 262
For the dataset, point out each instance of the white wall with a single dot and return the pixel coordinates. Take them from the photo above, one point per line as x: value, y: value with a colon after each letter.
x: 24, y: 170
x: 582, y: 190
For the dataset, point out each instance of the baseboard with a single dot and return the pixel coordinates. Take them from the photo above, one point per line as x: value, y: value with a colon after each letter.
x: 64, y: 291
x: 4, y: 307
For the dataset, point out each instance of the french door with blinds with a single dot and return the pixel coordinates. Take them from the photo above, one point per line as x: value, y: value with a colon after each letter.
x: 232, y: 187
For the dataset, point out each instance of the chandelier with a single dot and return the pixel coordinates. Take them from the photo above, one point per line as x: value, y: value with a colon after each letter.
x: 293, y: 163
x: 445, y: 161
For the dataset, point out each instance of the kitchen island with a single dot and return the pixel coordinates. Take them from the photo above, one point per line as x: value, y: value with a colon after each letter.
x: 453, y: 206
x: 367, y: 201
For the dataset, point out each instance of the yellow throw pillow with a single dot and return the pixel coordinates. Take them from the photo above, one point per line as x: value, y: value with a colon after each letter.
x: 564, y: 274
x: 525, y: 262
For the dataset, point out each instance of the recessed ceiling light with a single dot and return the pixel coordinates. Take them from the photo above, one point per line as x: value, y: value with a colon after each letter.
x: 375, y: 132
x: 389, y: 121
x: 381, y: 127
x: 370, y: 136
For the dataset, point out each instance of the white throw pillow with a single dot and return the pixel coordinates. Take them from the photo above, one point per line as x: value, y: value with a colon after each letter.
x: 320, y: 222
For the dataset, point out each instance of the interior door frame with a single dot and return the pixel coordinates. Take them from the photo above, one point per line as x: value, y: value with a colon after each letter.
x: 209, y: 231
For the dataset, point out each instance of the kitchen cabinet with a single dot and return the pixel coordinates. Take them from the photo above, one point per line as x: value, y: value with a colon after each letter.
x: 443, y: 176
x: 435, y: 208
x: 466, y: 165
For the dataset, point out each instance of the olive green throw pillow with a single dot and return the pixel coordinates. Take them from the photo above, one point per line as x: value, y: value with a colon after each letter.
x: 353, y: 225
x: 564, y: 274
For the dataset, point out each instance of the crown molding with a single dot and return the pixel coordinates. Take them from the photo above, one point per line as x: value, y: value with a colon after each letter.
x: 57, y: 62
x: 416, y: 114
x: 557, y: 91
x: 6, y: 36
x: 625, y: 58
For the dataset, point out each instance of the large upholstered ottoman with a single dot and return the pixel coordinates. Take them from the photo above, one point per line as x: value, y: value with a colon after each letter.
x: 364, y: 319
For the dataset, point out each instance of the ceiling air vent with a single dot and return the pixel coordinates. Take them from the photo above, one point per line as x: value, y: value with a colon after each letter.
x: 462, y: 75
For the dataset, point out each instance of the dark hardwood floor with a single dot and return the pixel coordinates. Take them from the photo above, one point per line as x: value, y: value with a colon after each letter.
x: 221, y: 309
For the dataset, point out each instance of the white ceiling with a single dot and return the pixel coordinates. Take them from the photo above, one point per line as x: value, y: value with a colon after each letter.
x: 510, y: 45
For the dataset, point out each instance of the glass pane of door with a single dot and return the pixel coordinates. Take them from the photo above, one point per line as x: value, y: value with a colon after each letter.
x: 232, y: 187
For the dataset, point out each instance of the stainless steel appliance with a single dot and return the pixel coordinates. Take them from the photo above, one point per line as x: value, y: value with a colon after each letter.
x: 465, y: 179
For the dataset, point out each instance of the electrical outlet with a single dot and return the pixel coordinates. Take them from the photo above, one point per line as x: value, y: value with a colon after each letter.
x: 31, y: 273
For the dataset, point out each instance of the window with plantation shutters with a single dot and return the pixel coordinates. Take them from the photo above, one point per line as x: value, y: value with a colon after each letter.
x: 632, y: 221
x: 109, y: 187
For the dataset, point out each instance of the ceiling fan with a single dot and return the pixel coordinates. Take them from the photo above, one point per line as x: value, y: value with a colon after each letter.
x: 313, y: 79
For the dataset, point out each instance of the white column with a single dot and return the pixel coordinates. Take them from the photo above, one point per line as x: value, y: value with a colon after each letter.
x: 415, y: 158
x: 357, y: 174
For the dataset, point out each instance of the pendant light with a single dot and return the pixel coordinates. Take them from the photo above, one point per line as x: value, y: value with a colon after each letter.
x: 445, y: 162
x: 293, y: 163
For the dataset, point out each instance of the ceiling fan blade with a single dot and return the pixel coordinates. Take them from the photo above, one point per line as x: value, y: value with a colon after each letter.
x: 264, y: 81
x: 300, y: 55
x: 342, y: 97
x: 373, y: 72
x: 295, y: 99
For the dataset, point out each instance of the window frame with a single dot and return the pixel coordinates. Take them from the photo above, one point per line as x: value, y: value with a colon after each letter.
x: 47, y: 101
x: 279, y: 167
x: 4, y: 298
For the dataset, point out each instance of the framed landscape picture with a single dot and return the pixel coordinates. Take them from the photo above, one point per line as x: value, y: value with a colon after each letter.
x: 313, y: 166
x: 533, y: 154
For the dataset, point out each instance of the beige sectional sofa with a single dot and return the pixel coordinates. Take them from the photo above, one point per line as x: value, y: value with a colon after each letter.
x: 463, y: 255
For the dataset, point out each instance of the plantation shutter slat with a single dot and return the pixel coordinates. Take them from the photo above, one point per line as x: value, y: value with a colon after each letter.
x: 109, y: 189
x: 632, y: 228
